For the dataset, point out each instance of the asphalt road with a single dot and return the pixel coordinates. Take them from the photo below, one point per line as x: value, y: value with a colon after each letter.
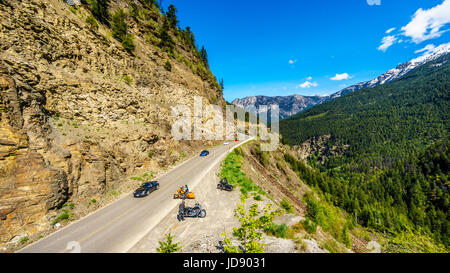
x: 117, y: 227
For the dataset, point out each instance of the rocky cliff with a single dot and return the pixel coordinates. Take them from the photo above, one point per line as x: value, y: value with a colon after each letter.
x: 79, y: 114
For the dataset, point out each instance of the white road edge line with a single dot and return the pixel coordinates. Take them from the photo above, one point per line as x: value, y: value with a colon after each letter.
x: 167, y: 210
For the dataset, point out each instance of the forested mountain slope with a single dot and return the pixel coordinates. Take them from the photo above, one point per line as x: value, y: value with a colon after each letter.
x: 388, y: 120
x: 383, y: 152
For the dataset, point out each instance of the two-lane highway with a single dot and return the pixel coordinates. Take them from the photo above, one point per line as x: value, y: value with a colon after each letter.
x: 120, y: 225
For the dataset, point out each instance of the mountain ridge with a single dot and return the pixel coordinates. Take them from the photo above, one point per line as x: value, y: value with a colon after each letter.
x: 294, y: 104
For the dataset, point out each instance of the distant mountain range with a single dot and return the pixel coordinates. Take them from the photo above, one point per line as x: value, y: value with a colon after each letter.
x: 294, y: 104
x: 289, y: 105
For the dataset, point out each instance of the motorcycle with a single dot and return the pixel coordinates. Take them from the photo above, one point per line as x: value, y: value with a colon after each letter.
x: 181, y: 194
x: 193, y: 212
x: 224, y: 185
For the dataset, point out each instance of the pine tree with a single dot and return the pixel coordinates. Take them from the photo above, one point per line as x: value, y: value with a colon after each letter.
x: 119, y: 27
x: 172, y: 17
x: 99, y: 9
x: 166, y: 42
x: 222, y: 86
x: 168, y: 246
x: 204, y: 56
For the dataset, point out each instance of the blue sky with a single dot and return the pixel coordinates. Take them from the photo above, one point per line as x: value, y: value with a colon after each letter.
x: 298, y: 47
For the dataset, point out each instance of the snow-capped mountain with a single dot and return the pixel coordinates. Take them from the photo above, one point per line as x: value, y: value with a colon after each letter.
x: 291, y: 105
x: 397, y: 72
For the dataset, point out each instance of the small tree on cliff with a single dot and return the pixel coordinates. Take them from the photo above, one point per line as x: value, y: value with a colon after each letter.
x: 172, y: 16
x: 204, y: 56
x: 168, y: 246
x: 251, y: 224
x: 119, y: 31
x: 99, y: 9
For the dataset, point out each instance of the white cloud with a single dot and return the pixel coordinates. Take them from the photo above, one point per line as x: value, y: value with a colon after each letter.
x: 309, y: 78
x: 292, y: 61
x: 308, y: 84
x: 427, y: 49
x: 427, y: 24
x: 340, y: 77
x: 390, y: 30
x: 387, y: 42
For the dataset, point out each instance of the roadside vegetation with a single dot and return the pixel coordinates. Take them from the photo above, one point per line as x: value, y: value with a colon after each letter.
x: 231, y: 169
x: 252, y: 222
x: 168, y: 246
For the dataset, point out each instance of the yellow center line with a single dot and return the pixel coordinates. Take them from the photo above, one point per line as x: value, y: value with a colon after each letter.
x: 131, y: 209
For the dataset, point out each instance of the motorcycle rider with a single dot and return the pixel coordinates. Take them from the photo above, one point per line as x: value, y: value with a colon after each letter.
x: 181, y: 209
x: 224, y: 181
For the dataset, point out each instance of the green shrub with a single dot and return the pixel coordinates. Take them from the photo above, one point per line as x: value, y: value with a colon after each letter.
x: 257, y: 197
x: 99, y: 9
x: 346, y: 239
x: 310, y: 226
x: 119, y: 27
x: 279, y: 231
x: 168, y: 66
x: 63, y: 216
x: 128, y: 43
x: 286, y: 206
x: 23, y: 240
x: 127, y: 79
x: 168, y: 246
x: 149, y: 38
x: 90, y: 20
x: 73, y: 9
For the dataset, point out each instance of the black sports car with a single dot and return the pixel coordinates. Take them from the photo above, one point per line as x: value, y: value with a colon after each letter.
x: 146, y: 188
x: 204, y: 153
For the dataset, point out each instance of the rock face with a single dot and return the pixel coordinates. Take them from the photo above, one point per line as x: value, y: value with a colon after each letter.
x: 79, y: 114
x: 29, y: 186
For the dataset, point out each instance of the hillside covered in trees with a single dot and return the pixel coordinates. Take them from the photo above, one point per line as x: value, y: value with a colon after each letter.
x: 382, y: 153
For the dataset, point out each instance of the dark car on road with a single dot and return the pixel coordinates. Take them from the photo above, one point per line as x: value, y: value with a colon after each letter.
x: 146, y: 188
x: 204, y: 153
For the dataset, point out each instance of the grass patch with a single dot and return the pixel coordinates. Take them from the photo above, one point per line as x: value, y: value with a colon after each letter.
x: 231, y: 169
x: 63, y: 216
x: 257, y: 197
x: 144, y: 177
x: 127, y: 79
x: 412, y: 242
x: 279, y: 231
x: 286, y: 206
x: 329, y: 217
x: 24, y: 240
